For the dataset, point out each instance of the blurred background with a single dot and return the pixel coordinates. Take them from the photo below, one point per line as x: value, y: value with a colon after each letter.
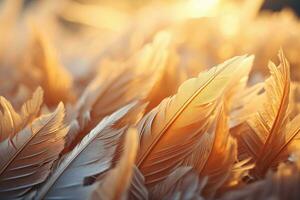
x: 275, y: 5
x: 85, y: 36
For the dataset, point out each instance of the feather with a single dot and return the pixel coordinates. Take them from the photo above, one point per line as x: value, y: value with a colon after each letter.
x: 138, y: 190
x: 126, y: 82
x: 116, y: 86
x: 283, y: 184
x: 171, y: 78
x: 183, y: 183
x: 130, y: 118
x: 171, y: 132
x: 92, y: 156
x: 294, y: 105
x: 11, y: 122
x: 267, y: 135
x: 32, y: 107
x: 242, y: 104
x: 239, y: 172
x: 292, y: 143
x: 222, y: 156
x: 26, y: 158
x: 54, y: 78
x: 116, y: 182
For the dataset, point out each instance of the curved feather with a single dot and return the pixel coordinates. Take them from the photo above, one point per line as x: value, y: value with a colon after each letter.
x: 118, y: 84
x: 127, y: 82
x: 11, y: 122
x: 55, y: 80
x: 26, y: 158
x: 92, y: 156
x: 266, y: 136
x: 171, y: 76
x: 171, y: 132
x: 31, y: 108
x: 116, y: 182
x: 222, y: 156
x: 243, y: 106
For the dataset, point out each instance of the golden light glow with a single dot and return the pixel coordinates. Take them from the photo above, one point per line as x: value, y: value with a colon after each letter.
x: 149, y: 99
x: 200, y: 8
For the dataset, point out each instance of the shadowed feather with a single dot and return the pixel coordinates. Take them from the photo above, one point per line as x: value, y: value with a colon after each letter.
x: 26, y: 158
x: 182, y: 184
x: 116, y: 182
x: 92, y: 156
x: 283, y: 184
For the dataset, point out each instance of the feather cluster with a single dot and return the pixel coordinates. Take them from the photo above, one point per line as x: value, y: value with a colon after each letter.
x: 148, y: 101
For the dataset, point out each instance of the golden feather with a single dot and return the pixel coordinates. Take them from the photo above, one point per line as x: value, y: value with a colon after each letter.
x: 175, y: 132
x: 12, y: 122
x: 267, y: 135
